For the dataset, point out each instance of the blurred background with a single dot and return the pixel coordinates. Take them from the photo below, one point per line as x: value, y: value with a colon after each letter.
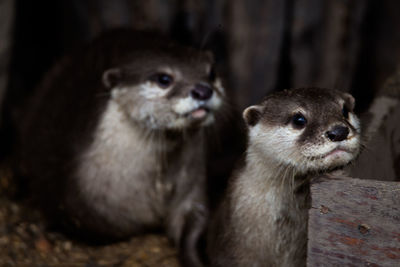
x: 263, y: 45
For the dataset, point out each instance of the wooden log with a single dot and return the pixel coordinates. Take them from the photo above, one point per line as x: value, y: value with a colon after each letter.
x: 354, y: 222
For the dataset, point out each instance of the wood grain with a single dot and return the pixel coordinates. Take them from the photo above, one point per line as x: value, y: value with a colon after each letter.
x: 354, y: 222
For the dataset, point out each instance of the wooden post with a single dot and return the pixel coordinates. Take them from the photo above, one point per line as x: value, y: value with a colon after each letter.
x: 354, y: 222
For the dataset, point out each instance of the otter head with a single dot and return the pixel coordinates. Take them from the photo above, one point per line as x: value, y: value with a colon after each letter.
x: 310, y: 129
x: 166, y: 87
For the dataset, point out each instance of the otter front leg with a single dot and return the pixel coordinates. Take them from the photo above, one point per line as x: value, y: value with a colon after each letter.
x: 186, y: 227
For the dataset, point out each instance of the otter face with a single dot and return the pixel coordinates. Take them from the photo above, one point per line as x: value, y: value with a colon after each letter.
x: 310, y: 129
x: 165, y: 92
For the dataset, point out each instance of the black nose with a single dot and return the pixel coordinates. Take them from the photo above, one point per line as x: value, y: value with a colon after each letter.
x: 201, y: 92
x: 338, y: 133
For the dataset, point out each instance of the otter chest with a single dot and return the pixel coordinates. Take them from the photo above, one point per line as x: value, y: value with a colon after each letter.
x: 121, y: 167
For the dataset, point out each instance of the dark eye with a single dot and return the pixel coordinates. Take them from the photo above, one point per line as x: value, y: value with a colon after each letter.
x: 163, y: 80
x: 299, y: 121
x: 212, y: 75
x: 345, y: 112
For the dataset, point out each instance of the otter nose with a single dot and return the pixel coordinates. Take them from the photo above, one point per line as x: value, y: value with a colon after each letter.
x: 338, y: 133
x: 201, y: 92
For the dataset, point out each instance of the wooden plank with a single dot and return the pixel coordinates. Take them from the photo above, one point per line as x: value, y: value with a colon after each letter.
x: 354, y: 222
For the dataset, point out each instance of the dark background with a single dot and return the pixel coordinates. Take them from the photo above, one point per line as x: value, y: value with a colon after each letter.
x: 262, y: 45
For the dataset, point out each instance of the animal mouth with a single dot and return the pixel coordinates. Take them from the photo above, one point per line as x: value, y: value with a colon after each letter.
x: 336, y: 151
x: 198, y: 113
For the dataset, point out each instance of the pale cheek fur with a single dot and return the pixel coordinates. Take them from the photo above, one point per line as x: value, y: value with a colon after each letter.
x: 219, y: 87
x: 118, y: 92
x: 149, y: 104
x: 355, y: 122
x: 319, y: 148
x: 185, y: 105
x: 150, y: 91
x: 279, y: 143
x: 188, y: 104
x: 215, y: 102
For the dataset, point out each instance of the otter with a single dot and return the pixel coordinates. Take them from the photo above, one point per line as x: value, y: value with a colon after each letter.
x: 293, y: 136
x: 114, y: 139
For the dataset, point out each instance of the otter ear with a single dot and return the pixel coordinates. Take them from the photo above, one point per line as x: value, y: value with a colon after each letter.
x: 350, y: 102
x: 252, y: 115
x: 112, y: 77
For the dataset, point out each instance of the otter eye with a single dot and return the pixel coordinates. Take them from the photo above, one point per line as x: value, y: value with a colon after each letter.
x: 299, y: 121
x: 163, y: 80
x: 345, y: 112
x: 212, y: 75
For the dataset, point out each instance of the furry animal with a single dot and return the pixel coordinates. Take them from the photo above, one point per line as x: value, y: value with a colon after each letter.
x: 293, y: 136
x: 114, y: 140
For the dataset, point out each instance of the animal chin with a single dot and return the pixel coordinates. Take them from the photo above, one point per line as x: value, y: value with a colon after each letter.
x: 337, y: 158
x: 337, y: 152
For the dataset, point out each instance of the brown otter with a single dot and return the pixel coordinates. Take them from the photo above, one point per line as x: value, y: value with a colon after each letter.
x: 114, y: 138
x: 293, y: 136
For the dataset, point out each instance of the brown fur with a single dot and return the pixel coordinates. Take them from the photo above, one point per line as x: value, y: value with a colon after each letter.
x: 263, y: 218
x: 113, y: 153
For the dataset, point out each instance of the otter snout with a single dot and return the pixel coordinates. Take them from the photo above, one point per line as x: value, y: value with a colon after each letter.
x: 201, y: 92
x: 338, y: 133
